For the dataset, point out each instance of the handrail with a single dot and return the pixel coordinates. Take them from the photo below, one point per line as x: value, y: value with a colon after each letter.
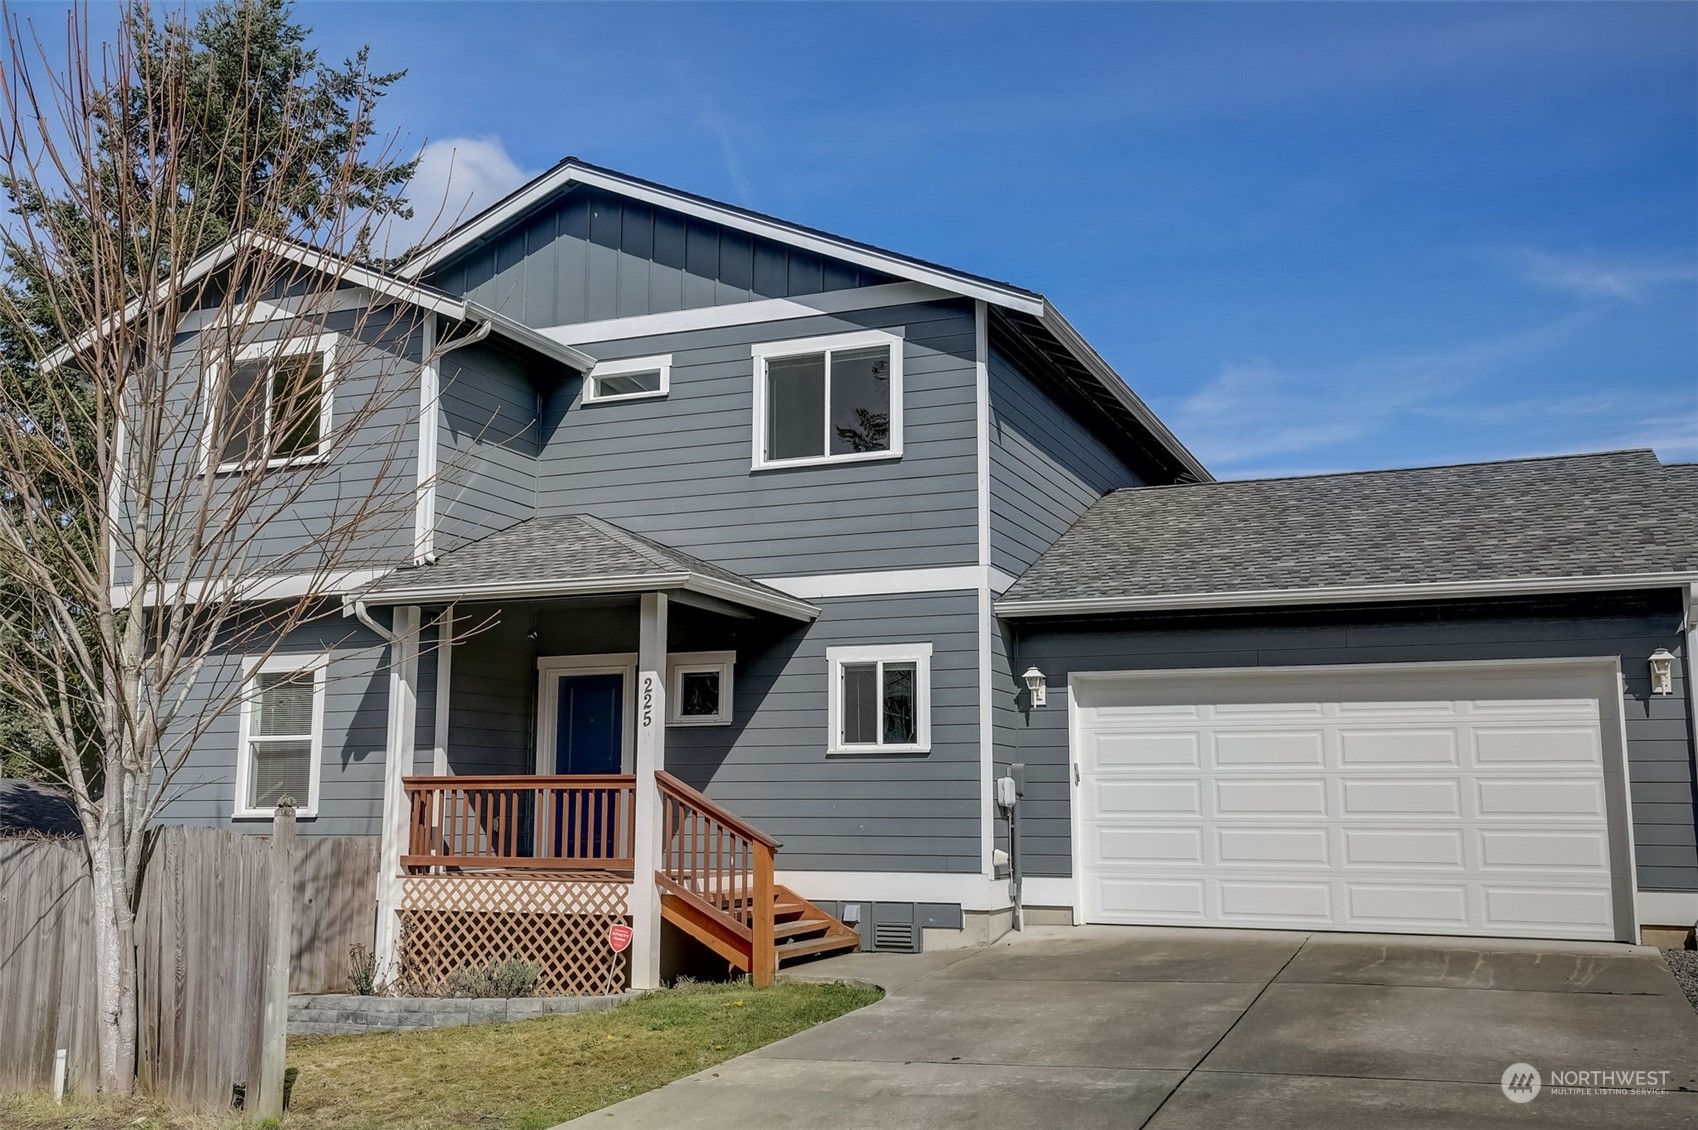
x: 670, y: 784
x: 528, y: 823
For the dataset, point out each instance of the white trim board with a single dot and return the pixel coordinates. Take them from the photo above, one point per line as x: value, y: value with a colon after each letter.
x: 879, y: 582
x: 970, y: 889
x: 1344, y: 594
x: 986, y: 617
x: 1668, y: 908
x: 551, y: 668
x: 285, y: 586
x: 745, y: 313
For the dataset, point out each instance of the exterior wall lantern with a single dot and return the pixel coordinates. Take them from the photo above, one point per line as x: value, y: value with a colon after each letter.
x: 1037, y: 685
x: 1662, y: 671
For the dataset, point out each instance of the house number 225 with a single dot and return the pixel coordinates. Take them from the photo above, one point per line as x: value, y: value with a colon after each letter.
x: 648, y: 701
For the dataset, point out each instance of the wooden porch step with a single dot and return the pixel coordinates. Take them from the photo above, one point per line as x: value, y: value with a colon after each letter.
x: 782, y: 930
x: 807, y: 946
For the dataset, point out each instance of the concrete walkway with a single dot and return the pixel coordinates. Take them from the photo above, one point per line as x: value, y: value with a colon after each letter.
x: 1178, y: 1029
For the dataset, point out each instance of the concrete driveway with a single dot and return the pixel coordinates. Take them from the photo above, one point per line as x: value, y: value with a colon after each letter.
x: 1170, y: 1029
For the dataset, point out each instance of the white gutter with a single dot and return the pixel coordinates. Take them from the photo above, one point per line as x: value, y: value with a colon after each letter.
x: 1344, y: 594
x: 776, y: 603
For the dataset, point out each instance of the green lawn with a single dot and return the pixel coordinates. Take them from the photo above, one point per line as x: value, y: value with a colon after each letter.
x: 524, y: 1076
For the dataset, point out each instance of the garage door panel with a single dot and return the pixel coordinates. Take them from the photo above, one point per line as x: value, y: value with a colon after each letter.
x: 1270, y: 796
x: 1270, y: 747
x: 1366, y: 800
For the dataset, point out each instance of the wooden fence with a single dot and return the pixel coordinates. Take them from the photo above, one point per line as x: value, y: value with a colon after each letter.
x: 201, y: 948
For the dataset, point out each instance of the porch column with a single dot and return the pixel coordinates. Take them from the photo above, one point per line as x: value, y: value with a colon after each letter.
x: 651, y: 758
x: 397, y: 763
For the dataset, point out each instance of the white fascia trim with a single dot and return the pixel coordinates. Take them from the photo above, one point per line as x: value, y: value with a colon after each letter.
x: 1000, y: 581
x: 1668, y: 908
x: 879, y: 582
x: 1350, y: 594
x: 287, y: 586
x: 573, y: 173
x: 1087, y: 356
x: 969, y: 889
x: 745, y: 313
x: 382, y: 285
x: 779, y: 605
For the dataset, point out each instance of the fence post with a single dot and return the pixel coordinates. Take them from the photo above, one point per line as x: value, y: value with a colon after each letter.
x: 275, y: 1014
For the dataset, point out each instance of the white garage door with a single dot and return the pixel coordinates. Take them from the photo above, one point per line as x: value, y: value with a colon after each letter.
x: 1403, y: 799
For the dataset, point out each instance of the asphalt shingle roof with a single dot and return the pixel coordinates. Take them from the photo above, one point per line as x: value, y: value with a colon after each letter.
x: 1569, y: 516
x: 567, y: 550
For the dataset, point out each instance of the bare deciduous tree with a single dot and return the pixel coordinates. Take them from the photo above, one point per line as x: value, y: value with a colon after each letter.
x: 151, y: 465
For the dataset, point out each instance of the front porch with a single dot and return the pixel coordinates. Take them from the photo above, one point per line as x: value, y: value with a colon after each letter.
x: 541, y: 867
x: 563, y: 656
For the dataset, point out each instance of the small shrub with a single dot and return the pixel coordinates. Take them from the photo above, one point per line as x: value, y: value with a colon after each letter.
x: 512, y: 977
x: 364, y: 977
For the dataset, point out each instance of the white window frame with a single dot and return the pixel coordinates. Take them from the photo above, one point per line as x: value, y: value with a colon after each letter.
x: 252, y: 667
x: 768, y: 351
x: 920, y: 655
x: 661, y: 363
x: 323, y: 344
x: 684, y: 663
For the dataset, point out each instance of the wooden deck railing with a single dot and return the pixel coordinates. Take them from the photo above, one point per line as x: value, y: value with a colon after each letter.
x: 558, y: 823
x: 720, y: 865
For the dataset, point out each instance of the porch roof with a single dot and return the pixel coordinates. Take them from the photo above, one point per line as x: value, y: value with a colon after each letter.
x: 573, y: 555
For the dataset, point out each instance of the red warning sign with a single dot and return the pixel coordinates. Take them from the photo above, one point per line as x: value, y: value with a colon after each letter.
x: 619, y: 937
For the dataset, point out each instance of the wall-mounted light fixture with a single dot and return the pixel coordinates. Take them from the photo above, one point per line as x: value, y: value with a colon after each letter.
x: 1662, y: 671
x: 1037, y: 685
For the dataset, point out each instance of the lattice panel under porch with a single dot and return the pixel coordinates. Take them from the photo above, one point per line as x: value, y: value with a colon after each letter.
x: 451, y: 922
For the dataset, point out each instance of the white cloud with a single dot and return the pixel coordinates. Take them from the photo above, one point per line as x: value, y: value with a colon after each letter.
x: 1592, y: 277
x: 456, y: 178
x: 1254, y: 414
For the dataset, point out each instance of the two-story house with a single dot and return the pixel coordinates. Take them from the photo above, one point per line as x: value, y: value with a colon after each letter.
x: 714, y: 533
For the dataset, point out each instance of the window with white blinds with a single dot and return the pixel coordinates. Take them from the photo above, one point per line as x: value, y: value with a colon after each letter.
x: 280, y: 738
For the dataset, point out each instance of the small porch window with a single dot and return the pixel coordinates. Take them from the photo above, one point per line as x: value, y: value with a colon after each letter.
x: 828, y: 400
x: 880, y: 699
x: 282, y: 735
x: 273, y: 410
x: 698, y: 688
x: 636, y: 378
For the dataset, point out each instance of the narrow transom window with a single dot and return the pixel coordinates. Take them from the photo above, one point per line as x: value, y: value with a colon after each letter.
x: 699, y: 688
x: 282, y: 723
x: 828, y: 399
x: 636, y: 378
x: 273, y: 408
x: 880, y: 700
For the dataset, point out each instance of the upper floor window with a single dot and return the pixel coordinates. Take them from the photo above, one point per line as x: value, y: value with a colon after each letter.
x: 698, y: 689
x: 274, y: 409
x: 282, y: 730
x: 828, y: 399
x: 636, y: 378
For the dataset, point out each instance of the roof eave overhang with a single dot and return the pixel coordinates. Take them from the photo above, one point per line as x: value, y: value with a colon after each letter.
x: 1353, y: 594
x: 379, y: 284
x: 772, y: 602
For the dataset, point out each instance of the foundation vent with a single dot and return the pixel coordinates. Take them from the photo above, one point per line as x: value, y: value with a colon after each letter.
x: 896, y: 937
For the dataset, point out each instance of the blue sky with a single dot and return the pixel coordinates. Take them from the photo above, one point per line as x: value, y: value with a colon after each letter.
x: 1313, y: 237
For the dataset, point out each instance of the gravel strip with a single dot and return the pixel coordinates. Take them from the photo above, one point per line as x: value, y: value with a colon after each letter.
x: 1684, y: 963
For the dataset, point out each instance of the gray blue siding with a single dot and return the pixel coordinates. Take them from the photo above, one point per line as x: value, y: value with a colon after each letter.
x: 1046, y: 468
x: 591, y: 256
x: 488, y: 440
x: 1659, y: 739
x: 356, y: 715
x: 678, y: 469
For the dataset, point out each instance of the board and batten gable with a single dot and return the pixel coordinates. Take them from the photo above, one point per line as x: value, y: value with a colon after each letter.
x: 1631, y: 626
x: 679, y: 468
x: 590, y: 255
x: 1046, y: 467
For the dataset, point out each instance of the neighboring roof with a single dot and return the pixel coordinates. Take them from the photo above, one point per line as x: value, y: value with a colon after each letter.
x: 1616, y: 520
x: 572, y: 555
x: 29, y: 807
x: 378, y: 282
x: 1025, y: 303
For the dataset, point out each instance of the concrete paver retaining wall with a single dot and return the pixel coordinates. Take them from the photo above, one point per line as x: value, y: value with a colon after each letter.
x: 343, y: 1014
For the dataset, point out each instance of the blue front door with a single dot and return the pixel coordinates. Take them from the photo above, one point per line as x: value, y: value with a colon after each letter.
x: 590, y: 724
